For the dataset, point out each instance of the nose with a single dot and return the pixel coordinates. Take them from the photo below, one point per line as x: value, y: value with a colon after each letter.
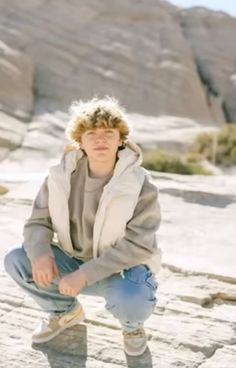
x: 100, y: 136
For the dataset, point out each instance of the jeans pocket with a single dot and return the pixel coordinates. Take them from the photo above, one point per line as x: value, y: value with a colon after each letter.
x: 137, y: 274
x: 142, y: 275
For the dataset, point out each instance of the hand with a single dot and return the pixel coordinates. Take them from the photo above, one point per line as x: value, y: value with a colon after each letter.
x: 44, y: 270
x: 72, y: 283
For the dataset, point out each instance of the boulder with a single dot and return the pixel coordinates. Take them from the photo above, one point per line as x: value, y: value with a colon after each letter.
x: 212, y: 36
x: 135, y: 51
x: 12, y: 132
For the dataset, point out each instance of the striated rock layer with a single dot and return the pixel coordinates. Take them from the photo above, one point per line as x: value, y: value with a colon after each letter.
x: 194, y: 322
x: 146, y: 53
x: 16, y: 81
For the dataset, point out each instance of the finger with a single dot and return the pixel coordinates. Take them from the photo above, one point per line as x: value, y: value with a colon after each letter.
x: 50, y: 273
x: 55, y: 270
x: 73, y: 292
x: 69, y: 291
x: 61, y: 287
x: 43, y: 280
x: 36, y: 278
x: 48, y: 276
x: 64, y: 289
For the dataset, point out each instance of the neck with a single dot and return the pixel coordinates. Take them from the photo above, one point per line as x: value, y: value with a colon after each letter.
x: 100, y: 169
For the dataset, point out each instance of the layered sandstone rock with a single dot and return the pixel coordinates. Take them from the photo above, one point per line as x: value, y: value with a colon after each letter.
x: 173, y: 70
x: 135, y: 51
x: 194, y: 321
x: 16, y: 81
x: 12, y: 134
x: 212, y: 36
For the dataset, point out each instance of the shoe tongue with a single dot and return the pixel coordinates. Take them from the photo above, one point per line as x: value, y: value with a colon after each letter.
x: 133, y: 333
x: 137, y: 333
x: 51, y: 318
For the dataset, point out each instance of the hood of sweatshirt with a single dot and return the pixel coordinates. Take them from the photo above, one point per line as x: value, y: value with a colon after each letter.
x: 131, y: 155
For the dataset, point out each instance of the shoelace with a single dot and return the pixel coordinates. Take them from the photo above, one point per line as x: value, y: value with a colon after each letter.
x: 136, y: 333
x: 55, y: 317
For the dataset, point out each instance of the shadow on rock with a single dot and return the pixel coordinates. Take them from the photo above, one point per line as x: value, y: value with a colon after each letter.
x: 69, y: 349
x: 200, y: 197
x: 142, y: 361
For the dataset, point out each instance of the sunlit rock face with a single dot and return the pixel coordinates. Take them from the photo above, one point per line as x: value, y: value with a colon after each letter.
x: 212, y: 36
x: 16, y: 82
x: 173, y: 70
x: 136, y: 51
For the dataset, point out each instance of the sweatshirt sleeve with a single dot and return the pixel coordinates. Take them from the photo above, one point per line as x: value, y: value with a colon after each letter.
x: 38, y: 231
x: 139, y: 243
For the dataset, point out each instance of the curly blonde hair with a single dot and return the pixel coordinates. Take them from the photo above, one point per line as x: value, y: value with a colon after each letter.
x: 96, y: 113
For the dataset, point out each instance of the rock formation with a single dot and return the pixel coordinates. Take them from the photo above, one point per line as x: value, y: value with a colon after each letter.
x: 149, y: 55
x: 173, y: 70
x: 175, y: 73
x: 16, y: 81
x: 194, y: 322
x: 212, y: 36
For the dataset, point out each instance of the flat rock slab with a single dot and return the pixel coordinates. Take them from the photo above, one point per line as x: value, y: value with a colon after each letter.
x: 194, y: 322
x: 180, y: 333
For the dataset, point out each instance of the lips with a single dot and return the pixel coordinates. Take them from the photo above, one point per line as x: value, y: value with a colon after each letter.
x: 100, y: 148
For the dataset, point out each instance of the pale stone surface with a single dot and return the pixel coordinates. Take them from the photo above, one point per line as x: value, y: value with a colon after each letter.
x: 136, y: 52
x: 40, y: 143
x: 212, y: 35
x: 12, y: 132
x: 168, y: 133
x: 224, y: 357
x: 153, y: 58
x: 202, y: 236
x: 194, y: 322
x: 16, y: 80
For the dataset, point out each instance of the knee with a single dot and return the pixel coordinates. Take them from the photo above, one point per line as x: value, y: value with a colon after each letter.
x: 132, y: 299
x: 133, y: 310
x: 13, y: 260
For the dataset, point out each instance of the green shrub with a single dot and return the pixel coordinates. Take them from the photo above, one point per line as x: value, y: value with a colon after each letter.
x: 160, y: 161
x: 220, y: 147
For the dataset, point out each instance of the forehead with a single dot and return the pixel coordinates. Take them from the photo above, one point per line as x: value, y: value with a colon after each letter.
x: 98, y: 129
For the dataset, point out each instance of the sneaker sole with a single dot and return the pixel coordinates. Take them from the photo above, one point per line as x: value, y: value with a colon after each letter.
x: 68, y: 325
x: 132, y: 353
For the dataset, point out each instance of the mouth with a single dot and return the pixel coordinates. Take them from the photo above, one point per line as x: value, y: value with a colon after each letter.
x: 100, y: 148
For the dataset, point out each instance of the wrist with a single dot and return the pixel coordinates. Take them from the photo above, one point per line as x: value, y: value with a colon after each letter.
x: 82, y: 275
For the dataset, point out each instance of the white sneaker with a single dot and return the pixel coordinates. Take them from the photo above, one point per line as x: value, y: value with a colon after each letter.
x: 53, y: 325
x: 135, y: 342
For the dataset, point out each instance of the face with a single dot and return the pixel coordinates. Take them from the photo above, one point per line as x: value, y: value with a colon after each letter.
x: 101, y: 144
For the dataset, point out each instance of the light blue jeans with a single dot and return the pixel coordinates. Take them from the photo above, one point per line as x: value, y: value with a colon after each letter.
x: 131, y: 299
